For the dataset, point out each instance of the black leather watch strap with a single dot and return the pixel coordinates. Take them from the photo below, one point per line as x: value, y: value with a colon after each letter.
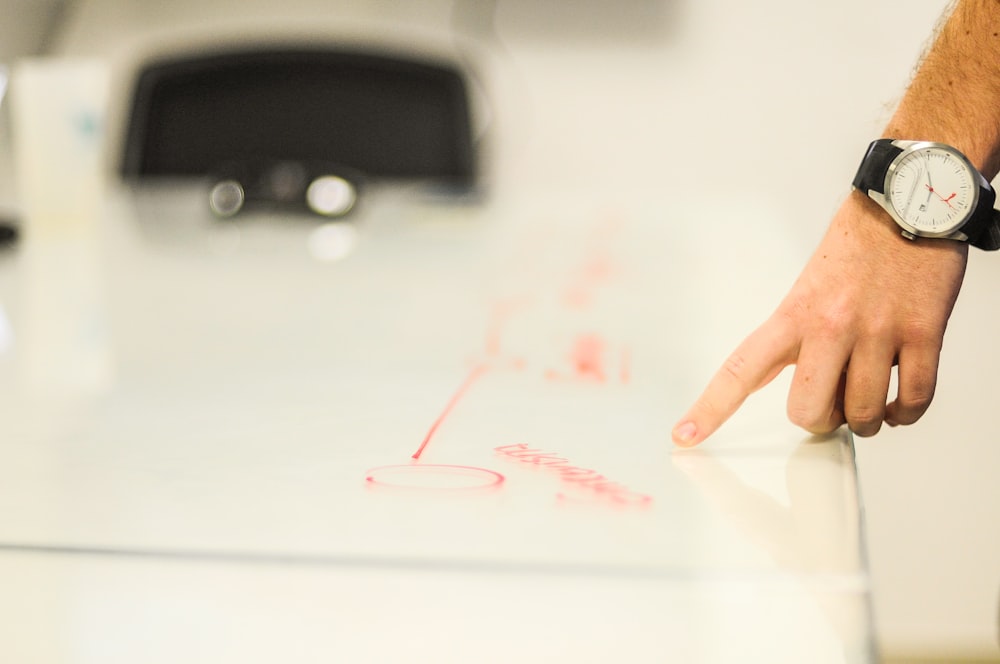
x: 983, y: 229
x: 989, y: 239
x: 871, y: 172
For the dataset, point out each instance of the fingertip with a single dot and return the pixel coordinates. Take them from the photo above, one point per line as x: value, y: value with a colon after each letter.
x: 685, y: 434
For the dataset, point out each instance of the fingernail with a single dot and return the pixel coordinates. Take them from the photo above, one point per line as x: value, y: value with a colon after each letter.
x: 684, y: 433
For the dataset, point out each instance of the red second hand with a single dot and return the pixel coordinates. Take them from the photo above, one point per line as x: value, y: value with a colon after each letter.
x: 943, y: 199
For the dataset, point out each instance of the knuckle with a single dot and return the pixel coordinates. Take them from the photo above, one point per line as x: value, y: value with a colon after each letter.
x: 917, y: 392
x: 923, y: 333
x: 794, y: 307
x: 864, y: 416
x: 879, y: 327
x: 706, y: 408
x: 864, y: 427
x: 834, y: 322
x: 822, y: 428
x: 810, y: 420
x: 914, y: 405
x: 919, y: 401
x: 735, y: 367
x: 798, y: 416
x: 712, y: 409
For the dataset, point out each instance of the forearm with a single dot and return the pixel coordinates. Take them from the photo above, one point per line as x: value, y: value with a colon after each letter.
x: 954, y: 97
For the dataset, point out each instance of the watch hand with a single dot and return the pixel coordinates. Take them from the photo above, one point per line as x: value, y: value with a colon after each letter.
x: 927, y: 170
x: 944, y: 200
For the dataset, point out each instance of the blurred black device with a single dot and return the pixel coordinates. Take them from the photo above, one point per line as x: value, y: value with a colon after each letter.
x: 379, y: 116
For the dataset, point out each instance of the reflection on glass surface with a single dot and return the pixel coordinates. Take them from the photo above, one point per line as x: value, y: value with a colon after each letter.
x: 812, y: 536
x: 332, y: 242
x: 6, y: 332
x: 808, y: 535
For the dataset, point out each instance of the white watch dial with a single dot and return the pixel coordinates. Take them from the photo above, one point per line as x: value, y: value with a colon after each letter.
x: 932, y: 189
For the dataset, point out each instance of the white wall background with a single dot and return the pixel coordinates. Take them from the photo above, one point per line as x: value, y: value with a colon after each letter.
x: 638, y: 93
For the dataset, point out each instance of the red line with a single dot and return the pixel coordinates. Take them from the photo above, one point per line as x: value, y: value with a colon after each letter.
x: 463, y: 388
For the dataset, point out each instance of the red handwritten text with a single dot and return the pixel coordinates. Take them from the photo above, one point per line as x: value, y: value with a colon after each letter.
x: 582, y: 478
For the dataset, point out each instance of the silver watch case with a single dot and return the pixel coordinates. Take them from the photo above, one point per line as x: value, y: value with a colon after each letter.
x: 885, y: 200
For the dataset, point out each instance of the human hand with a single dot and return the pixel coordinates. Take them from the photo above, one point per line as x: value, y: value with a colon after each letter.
x: 866, y: 300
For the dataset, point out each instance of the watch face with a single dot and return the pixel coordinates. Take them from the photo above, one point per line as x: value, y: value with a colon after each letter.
x: 932, y: 189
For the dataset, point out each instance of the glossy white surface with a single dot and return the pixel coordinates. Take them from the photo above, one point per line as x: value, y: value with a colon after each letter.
x: 85, y: 609
x: 255, y: 394
x: 741, y: 91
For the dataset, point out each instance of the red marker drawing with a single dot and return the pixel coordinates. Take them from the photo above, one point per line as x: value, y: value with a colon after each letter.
x: 473, y: 376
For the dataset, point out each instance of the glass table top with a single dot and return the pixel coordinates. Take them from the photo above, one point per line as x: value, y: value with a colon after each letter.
x: 431, y: 415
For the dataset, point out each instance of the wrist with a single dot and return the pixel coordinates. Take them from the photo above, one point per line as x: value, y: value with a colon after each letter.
x: 872, y: 219
x: 878, y: 230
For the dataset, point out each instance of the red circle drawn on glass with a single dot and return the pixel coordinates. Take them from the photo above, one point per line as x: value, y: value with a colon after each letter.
x: 434, y: 477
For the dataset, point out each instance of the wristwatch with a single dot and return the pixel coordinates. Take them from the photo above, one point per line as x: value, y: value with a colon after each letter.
x: 930, y: 190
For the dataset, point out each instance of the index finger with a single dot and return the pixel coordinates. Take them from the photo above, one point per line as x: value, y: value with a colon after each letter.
x: 753, y: 364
